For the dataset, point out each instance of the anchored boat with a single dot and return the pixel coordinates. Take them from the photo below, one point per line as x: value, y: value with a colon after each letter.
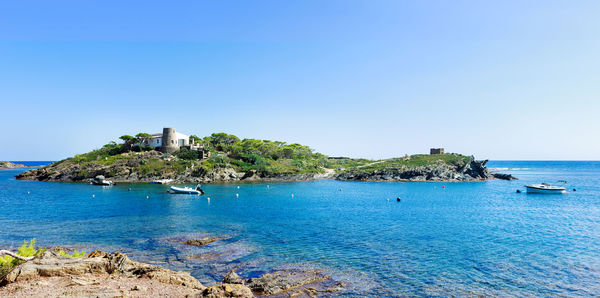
x: 545, y: 188
x: 100, y: 180
x: 187, y: 190
x: 162, y: 181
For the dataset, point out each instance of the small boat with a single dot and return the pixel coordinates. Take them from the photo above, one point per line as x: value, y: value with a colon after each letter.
x: 100, y: 180
x: 545, y: 188
x: 187, y: 190
x: 162, y: 181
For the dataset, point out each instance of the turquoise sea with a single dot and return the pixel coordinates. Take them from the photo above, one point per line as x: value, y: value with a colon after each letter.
x: 442, y: 238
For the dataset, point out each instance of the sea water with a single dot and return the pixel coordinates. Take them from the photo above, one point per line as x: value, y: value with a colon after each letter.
x: 480, y: 238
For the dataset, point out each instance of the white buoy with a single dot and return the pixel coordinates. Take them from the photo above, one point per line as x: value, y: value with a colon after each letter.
x: 147, y: 197
x: 292, y: 195
x: 268, y: 186
x: 93, y: 196
x: 237, y: 195
x: 28, y: 192
x: 238, y: 187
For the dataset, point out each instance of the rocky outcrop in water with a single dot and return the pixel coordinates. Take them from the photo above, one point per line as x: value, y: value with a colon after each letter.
x: 10, y: 165
x: 201, y: 241
x: 291, y: 281
x: 473, y: 170
x: 503, y: 176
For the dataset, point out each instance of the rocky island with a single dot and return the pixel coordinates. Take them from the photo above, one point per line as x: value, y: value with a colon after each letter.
x: 10, y: 165
x: 222, y: 157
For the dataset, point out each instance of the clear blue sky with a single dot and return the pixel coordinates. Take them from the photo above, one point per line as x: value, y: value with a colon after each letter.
x: 376, y: 79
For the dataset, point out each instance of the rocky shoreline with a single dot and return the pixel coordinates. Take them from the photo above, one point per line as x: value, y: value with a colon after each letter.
x: 473, y: 170
x: 101, y: 274
x: 126, y: 170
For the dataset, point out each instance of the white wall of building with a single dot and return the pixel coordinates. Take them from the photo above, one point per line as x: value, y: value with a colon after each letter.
x: 182, y: 140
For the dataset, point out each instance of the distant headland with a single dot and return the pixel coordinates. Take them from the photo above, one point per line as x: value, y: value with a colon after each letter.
x: 9, y: 165
x: 223, y: 157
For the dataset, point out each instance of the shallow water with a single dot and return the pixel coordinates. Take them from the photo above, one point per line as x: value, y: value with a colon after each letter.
x: 441, y: 239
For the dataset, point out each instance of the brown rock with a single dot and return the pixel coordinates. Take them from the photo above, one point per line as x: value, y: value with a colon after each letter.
x: 232, y: 278
x: 227, y: 290
x: 50, y: 263
x: 279, y: 281
x: 201, y: 241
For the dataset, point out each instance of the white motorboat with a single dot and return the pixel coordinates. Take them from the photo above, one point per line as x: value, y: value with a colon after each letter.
x: 162, y: 181
x: 100, y: 180
x: 187, y: 190
x: 545, y: 188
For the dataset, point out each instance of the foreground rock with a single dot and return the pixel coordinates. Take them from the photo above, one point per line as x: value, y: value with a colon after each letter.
x: 232, y: 278
x: 285, y: 280
x: 105, y: 275
x: 10, y: 165
x: 227, y: 290
x: 472, y: 170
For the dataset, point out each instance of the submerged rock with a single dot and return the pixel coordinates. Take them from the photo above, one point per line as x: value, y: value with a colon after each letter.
x: 284, y: 280
x: 201, y: 241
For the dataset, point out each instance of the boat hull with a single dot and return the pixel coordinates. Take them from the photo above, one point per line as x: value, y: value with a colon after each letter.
x: 184, y: 191
x: 545, y: 191
x: 103, y: 183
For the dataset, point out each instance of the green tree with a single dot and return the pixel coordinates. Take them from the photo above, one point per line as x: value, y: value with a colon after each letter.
x: 222, y: 141
x: 185, y: 153
x: 143, y: 138
x: 128, y: 142
x: 126, y: 138
x: 195, y: 139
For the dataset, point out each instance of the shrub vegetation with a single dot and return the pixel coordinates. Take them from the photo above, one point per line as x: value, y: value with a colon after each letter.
x: 264, y: 156
x: 7, y: 263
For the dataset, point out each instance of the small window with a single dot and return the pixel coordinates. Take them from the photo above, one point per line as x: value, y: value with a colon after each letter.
x: 156, y: 141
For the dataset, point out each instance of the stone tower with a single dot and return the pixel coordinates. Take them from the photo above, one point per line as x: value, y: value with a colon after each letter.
x: 169, y: 141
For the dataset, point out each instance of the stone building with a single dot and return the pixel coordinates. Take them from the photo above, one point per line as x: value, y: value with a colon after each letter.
x: 434, y: 151
x: 170, y: 141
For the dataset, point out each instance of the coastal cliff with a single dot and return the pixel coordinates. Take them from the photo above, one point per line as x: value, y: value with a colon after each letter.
x: 458, y: 169
x: 231, y: 159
